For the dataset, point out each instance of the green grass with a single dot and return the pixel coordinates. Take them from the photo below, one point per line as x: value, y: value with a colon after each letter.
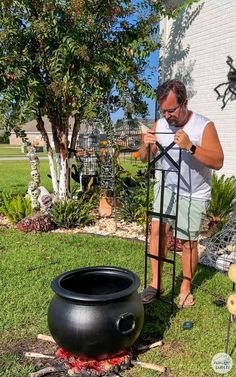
x: 15, y: 174
x: 7, y: 150
x: 30, y: 261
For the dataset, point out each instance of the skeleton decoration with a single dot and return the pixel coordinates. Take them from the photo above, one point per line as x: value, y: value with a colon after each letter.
x: 230, y: 90
x: 45, y: 200
x: 33, y: 188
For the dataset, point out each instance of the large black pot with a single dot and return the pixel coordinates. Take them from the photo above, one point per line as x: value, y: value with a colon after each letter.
x: 95, y: 311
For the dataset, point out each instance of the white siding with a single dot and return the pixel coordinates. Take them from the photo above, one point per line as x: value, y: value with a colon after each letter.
x: 196, y: 48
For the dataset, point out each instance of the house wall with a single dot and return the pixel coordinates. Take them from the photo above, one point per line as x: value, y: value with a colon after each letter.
x: 32, y: 137
x: 195, y: 50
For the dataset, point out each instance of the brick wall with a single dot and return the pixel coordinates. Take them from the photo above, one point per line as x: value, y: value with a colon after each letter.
x: 195, y: 49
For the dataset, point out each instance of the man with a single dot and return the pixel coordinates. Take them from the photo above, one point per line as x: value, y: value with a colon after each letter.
x: 201, y: 151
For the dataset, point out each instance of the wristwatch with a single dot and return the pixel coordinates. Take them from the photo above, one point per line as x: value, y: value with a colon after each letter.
x: 192, y: 149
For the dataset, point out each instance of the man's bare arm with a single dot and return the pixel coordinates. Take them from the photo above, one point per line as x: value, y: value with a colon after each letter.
x: 210, y: 153
x: 149, y: 139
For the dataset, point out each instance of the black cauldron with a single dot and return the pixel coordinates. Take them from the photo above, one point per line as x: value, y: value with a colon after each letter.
x: 96, y: 311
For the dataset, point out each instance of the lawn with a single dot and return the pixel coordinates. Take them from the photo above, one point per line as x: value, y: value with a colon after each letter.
x: 30, y: 261
x: 7, y: 150
x: 15, y: 174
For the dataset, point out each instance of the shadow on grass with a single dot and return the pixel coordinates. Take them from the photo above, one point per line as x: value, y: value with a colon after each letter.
x: 159, y: 314
x: 157, y: 319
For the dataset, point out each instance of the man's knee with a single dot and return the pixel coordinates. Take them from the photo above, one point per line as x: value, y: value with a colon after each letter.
x: 189, y: 245
x: 158, y: 229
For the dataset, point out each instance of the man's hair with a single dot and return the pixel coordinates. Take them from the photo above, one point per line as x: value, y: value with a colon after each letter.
x: 176, y: 87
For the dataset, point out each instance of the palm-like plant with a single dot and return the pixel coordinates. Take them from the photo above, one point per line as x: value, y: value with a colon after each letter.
x: 223, y: 199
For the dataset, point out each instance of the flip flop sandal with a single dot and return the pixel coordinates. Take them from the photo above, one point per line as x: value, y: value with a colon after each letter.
x: 186, y: 300
x: 149, y: 294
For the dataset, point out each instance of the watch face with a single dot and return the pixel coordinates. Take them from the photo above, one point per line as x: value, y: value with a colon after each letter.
x: 193, y: 149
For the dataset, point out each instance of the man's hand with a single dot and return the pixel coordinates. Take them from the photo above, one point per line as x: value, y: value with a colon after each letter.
x: 149, y: 138
x: 182, y: 140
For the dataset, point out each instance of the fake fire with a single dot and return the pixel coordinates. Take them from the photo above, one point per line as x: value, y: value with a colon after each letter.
x: 80, y: 366
x: 72, y: 365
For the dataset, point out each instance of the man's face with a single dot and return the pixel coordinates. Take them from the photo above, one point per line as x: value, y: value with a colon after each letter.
x: 173, y: 112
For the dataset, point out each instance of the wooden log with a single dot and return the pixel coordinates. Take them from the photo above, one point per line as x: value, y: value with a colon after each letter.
x: 44, y: 371
x: 48, y: 338
x: 38, y: 355
x: 150, y: 346
x: 159, y: 368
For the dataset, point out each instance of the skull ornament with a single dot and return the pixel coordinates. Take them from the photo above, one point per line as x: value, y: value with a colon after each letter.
x: 232, y: 272
x: 231, y: 304
x: 35, y: 176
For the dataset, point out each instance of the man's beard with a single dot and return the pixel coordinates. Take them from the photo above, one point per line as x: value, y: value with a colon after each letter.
x: 173, y: 121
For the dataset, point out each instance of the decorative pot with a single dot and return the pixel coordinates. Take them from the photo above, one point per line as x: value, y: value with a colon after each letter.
x: 96, y: 311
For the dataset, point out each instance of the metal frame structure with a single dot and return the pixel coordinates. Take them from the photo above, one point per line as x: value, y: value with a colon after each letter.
x: 161, y: 215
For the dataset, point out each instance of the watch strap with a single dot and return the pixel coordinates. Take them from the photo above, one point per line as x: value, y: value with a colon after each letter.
x: 193, y: 148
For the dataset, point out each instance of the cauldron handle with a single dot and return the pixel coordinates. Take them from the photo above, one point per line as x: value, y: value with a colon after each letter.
x: 125, y: 323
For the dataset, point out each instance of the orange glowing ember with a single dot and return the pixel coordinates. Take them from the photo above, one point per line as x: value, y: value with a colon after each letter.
x: 79, y: 364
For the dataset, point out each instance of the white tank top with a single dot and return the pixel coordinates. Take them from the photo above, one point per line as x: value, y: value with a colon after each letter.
x: 195, y: 178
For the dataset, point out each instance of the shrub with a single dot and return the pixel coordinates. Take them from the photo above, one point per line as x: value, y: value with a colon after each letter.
x: 15, y: 208
x: 133, y: 206
x: 223, y: 200
x: 71, y: 213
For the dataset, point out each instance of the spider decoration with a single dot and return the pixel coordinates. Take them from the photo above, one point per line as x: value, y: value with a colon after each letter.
x: 231, y: 83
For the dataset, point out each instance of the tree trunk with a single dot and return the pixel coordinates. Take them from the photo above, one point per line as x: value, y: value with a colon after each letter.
x: 64, y: 164
x: 41, y: 128
x: 53, y: 173
x: 63, y: 182
x: 75, y: 130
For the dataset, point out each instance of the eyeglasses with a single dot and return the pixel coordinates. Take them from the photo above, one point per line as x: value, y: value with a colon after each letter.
x: 170, y: 111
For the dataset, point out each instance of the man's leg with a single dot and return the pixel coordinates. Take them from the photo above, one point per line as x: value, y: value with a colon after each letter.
x: 149, y: 293
x: 189, y: 264
x: 157, y: 233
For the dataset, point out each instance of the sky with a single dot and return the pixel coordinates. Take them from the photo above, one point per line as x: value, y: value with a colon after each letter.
x: 153, y: 74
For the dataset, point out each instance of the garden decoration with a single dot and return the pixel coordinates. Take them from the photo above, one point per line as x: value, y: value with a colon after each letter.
x: 111, y: 314
x: 108, y: 159
x: 230, y: 90
x: 74, y: 365
x: 41, y: 201
x: 231, y: 304
x: 33, y: 188
x: 220, y: 249
x: 160, y: 175
x: 95, y: 316
x: 107, y: 181
x: 86, y: 156
x: 128, y: 135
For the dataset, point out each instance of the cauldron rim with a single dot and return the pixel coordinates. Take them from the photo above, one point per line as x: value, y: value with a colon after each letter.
x: 80, y: 297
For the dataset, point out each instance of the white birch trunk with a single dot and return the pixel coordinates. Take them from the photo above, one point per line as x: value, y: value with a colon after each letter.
x: 58, y: 165
x: 53, y: 174
x: 63, y: 182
